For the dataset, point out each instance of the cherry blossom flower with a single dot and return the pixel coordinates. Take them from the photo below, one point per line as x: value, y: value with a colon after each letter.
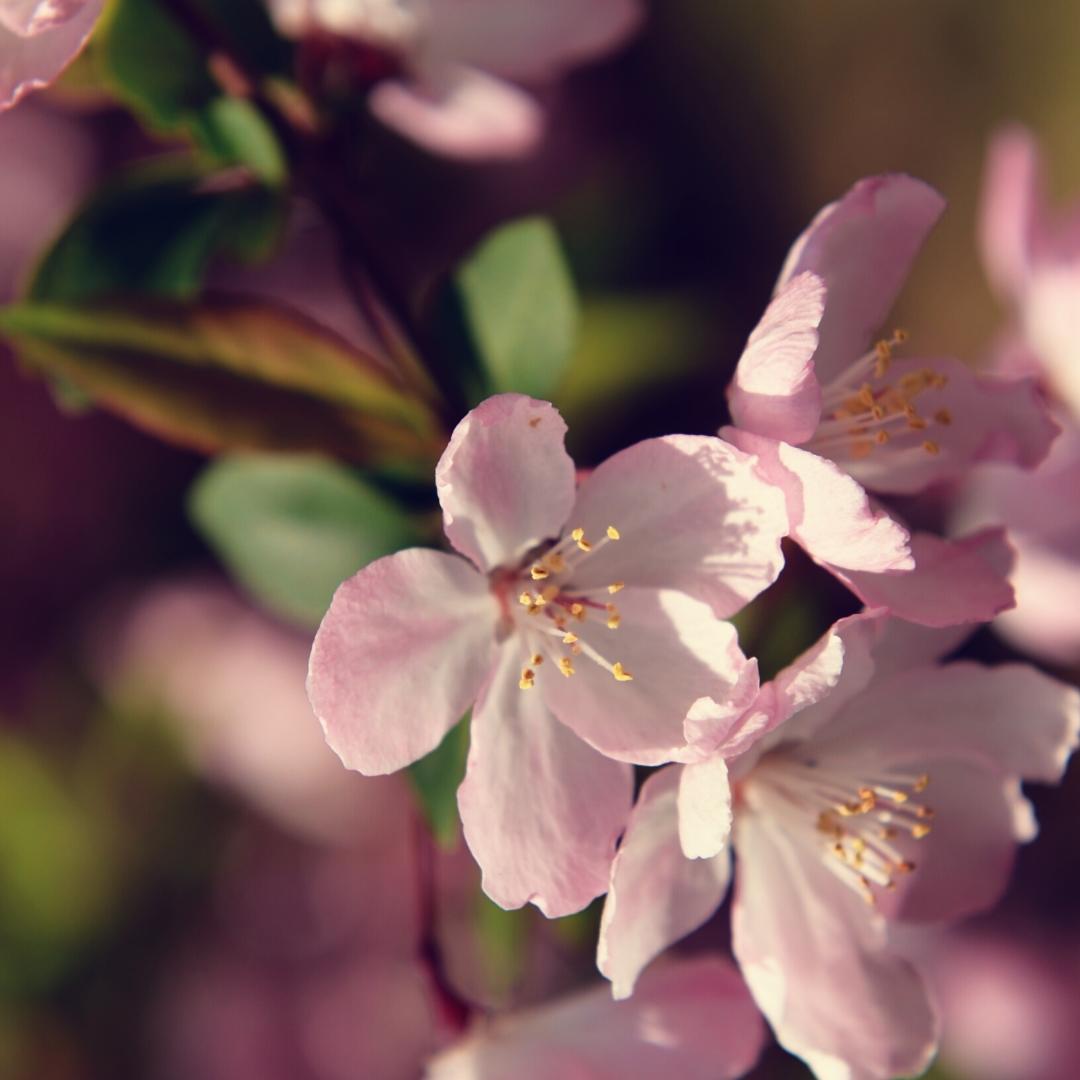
x: 447, y: 70
x: 1033, y: 259
x: 38, y: 39
x: 583, y: 624
x: 886, y: 788
x: 831, y: 414
x: 691, y: 1018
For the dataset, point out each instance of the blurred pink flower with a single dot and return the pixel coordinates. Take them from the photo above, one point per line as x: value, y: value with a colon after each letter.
x: 830, y: 414
x: 834, y: 840
x: 448, y: 63
x: 691, y: 1018
x: 232, y: 681
x: 568, y: 687
x: 38, y: 39
x: 1033, y: 259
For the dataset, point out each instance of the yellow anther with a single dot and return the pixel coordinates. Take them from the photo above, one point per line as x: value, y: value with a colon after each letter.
x: 584, y: 545
x: 577, y: 534
x: 538, y: 573
x: 921, y: 784
x: 620, y: 673
x: 566, y: 666
x: 612, y: 533
x: 931, y: 447
x: 569, y: 638
x: 537, y: 660
x: 578, y: 611
x: 919, y: 831
x: 548, y: 593
x: 615, y: 586
x: 943, y: 416
x: 613, y: 621
x: 527, y: 680
x: 526, y: 599
x: 881, y: 438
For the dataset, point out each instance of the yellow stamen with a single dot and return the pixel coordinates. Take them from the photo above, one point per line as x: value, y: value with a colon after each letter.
x: 612, y: 533
x: 527, y: 680
x: 578, y: 611
x: 548, y: 593
x: 569, y: 638
x: 526, y: 599
x: 566, y: 666
x: 620, y: 673
x: 616, y: 586
x: 537, y: 660
x: 538, y: 573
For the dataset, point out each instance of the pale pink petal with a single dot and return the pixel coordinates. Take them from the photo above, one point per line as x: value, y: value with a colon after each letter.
x: 1010, y: 209
x: 831, y: 515
x: 813, y: 955
x: 704, y: 808
x: 729, y: 726
x: 541, y: 811
x: 963, y: 865
x: 775, y: 391
x: 902, y: 644
x: 1051, y: 320
x: 1012, y: 719
x: 676, y: 651
x: 400, y: 656
x: 954, y: 581
x: 657, y: 895
x: 529, y: 39
x: 690, y: 1019
x: 505, y: 481
x: 29, y: 17
x: 986, y: 419
x: 460, y: 113
x: 862, y: 246
x: 27, y: 63
x: 693, y: 515
x: 1046, y: 620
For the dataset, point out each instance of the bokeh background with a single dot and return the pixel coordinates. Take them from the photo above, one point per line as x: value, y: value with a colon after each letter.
x: 190, y: 886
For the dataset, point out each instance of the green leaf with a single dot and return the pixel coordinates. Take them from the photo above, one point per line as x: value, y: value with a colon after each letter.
x: 156, y: 63
x: 153, y: 231
x: 436, y: 778
x: 228, y: 375
x: 291, y: 529
x: 520, y: 308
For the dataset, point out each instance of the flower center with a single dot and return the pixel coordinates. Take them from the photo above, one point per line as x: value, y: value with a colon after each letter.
x: 864, y: 411
x: 854, y: 816
x: 560, y: 623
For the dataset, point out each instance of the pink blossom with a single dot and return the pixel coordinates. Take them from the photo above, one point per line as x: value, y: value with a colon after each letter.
x: 830, y: 414
x: 1033, y: 258
x: 38, y: 39
x: 692, y: 1019
x: 231, y: 682
x: 581, y: 624
x: 886, y: 788
x: 456, y: 63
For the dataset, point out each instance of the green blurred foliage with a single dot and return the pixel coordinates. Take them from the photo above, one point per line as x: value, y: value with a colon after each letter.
x: 291, y: 529
x: 520, y: 308
x: 436, y: 778
x: 152, y: 230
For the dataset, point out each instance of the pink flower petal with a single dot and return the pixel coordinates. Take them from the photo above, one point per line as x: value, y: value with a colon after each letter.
x: 705, y: 813
x: 813, y: 955
x: 27, y: 63
x: 529, y: 39
x: 963, y: 866
x: 831, y: 516
x: 988, y: 419
x: 690, y: 1019
x: 505, y: 481
x: 693, y: 515
x: 1011, y: 719
x: 657, y: 895
x: 729, y: 726
x: 1010, y: 211
x: 1046, y: 620
x: 954, y: 581
x: 400, y: 656
x: 675, y: 649
x: 460, y: 113
x: 541, y: 811
x: 775, y: 391
x: 29, y: 17
x: 862, y: 246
